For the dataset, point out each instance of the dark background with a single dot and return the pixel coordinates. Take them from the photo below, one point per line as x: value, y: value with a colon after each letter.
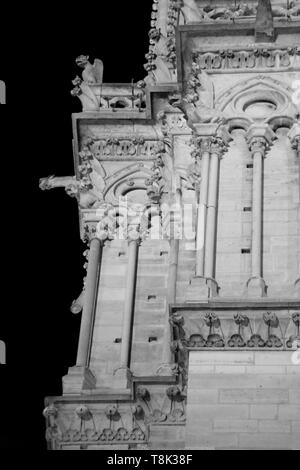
x: 42, y: 262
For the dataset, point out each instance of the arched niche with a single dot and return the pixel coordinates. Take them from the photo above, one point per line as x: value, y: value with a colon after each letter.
x: 257, y: 99
x: 129, y: 183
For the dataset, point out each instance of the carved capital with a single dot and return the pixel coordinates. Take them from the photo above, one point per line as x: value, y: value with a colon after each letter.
x: 215, y: 140
x: 137, y: 233
x: 218, y: 146
x: 258, y: 144
x: 294, y: 136
x: 202, y: 144
x: 259, y: 138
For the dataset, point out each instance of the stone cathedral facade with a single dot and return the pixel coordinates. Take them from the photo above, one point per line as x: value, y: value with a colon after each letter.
x: 188, y: 188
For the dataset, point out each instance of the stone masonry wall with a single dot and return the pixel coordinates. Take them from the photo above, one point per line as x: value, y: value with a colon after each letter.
x: 243, y: 400
x: 150, y: 310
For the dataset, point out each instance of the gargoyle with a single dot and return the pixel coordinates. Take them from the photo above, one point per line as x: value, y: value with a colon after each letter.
x: 92, y: 73
x: 58, y: 182
x: 86, y: 199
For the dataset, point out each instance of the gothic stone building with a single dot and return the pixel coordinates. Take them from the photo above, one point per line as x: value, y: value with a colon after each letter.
x: 188, y: 190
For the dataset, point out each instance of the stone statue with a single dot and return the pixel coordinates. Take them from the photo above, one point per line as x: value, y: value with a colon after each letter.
x: 92, y: 73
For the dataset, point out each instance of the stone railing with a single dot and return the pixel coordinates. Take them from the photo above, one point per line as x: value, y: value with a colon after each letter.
x: 114, y: 98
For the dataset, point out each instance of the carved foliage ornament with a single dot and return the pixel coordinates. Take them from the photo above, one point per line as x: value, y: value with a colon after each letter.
x: 286, y: 12
x: 247, y: 59
x: 244, y: 337
x: 171, y: 408
x: 122, y: 148
x: 163, y: 46
x: 91, y: 427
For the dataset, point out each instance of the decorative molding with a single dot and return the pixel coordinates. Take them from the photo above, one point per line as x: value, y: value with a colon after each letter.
x: 161, y: 57
x: 85, y: 426
x: 258, y: 58
x: 237, y: 12
x: 265, y: 330
x: 160, y: 178
x: 162, y: 408
x: 113, y: 422
x: 119, y: 148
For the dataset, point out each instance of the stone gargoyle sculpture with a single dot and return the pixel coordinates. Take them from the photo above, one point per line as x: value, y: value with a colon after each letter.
x: 86, y: 199
x: 92, y: 73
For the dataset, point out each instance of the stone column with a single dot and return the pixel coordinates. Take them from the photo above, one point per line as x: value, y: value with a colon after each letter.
x: 122, y: 375
x: 133, y: 246
x: 259, y: 138
x: 204, y: 285
x: 91, y: 288
x: 202, y: 208
x: 167, y: 366
x: 294, y: 136
x: 217, y: 148
x: 80, y: 376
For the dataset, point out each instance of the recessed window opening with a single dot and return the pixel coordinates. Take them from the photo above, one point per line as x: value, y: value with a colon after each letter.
x: 152, y: 338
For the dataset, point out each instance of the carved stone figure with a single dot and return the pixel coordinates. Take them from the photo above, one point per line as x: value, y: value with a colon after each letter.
x: 92, y: 73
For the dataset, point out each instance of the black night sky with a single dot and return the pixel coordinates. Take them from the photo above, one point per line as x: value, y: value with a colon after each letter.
x: 42, y: 262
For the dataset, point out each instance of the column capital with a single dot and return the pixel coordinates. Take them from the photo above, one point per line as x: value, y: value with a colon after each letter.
x: 103, y: 230
x: 213, y: 139
x: 259, y: 138
x: 137, y: 231
x: 294, y: 136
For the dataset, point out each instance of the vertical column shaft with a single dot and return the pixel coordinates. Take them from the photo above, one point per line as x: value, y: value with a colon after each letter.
x: 171, y: 299
x: 202, y: 216
x: 211, y: 224
x: 257, y: 203
x: 259, y: 137
x: 133, y: 247
x: 88, y: 311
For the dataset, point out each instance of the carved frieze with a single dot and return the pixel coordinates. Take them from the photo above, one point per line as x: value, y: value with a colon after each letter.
x: 237, y: 11
x: 131, y: 148
x: 113, y: 423
x: 166, y: 408
x: 259, y: 58
x: 82, y: 425
x: 263, y: 330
